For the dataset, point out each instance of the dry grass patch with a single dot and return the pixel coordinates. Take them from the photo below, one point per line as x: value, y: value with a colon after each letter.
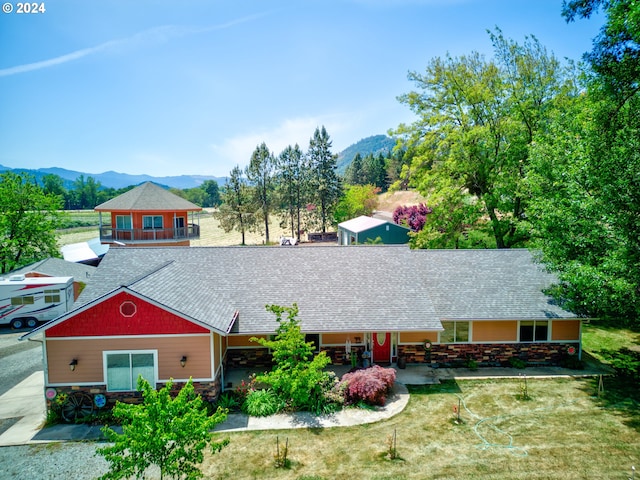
x: 564, y: 431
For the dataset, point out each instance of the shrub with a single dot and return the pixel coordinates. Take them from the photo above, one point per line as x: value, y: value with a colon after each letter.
x: 229, y: 401
x: 370, y: 385
x: 516, y: 362
x: 298, y: 377
x: 471, y: 364
x: 262, y: 403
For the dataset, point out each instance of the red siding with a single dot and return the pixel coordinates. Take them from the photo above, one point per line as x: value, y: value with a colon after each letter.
x: 106, y: 319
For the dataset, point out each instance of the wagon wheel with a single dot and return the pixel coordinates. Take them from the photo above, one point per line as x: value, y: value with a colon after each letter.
x: 76, y: 407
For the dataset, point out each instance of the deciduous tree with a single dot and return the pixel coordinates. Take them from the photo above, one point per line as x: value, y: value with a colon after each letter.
x: 477, y: 118
x: 584, y: 177
x: 168, y: 432
x: 28, y: 221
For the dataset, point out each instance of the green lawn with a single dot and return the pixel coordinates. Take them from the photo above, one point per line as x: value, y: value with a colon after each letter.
x: 597, y: 337
x: 564, y: 431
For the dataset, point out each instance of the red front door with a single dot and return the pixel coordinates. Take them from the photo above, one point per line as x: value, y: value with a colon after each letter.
x: 381, y: 347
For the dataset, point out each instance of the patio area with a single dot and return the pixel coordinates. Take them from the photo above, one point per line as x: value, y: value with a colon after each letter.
x: 420, y: 374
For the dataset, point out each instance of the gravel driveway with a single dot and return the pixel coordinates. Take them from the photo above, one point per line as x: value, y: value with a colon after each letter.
x: 52, y: 461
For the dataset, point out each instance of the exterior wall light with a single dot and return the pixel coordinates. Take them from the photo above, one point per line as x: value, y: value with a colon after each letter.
x: 183, y: 361
x: 73, y: 364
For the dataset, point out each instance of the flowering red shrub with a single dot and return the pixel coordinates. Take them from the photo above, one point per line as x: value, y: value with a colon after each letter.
x: 413, y: 216
x: 370, y: 385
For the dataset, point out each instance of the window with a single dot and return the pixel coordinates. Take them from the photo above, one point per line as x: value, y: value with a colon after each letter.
x: 151, y: 222
x: 535, y: 331
x: 455, y: 332
x: 52, y: 296
x: 315, y: 338
x: 26, y: 300
x: 123, y: 368
x: 123, y: 222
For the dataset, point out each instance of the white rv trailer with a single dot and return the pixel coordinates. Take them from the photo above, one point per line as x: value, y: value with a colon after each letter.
x: 25, y: 301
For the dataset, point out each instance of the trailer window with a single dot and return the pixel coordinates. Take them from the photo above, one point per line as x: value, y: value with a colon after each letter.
x: 52, y: 296
x: 26, y: 300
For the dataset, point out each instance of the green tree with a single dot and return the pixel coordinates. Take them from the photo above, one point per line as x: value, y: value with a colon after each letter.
x: 86, y: 192
x: 477, y: 120
x: 261, y: 176
x: 375, y: 171
x: 398, y: 166
x: 170, y: 433
x: 236, y: 212
x: 28, y: 221
x: 584, y: 178
x: 212, y: 190
x: 53, y: 185
x: 355, y: 171
x: 291, y: 183
x: 297, y: 377
x: 324, y: 181
x: 357, y: 200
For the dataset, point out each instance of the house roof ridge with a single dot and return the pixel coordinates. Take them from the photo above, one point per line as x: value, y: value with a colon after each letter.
x: 148, y: 273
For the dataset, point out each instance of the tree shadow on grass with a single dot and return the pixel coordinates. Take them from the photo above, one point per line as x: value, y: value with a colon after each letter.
x: 445, y: 386
x: 619, y: 393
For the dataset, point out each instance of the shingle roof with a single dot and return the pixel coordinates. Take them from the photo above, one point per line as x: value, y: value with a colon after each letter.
x: 366, y: 288
x: 56, y: 267
x: 147, y: 196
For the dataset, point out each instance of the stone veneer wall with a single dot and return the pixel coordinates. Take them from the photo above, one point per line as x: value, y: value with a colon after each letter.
x: 452, y: 355
x: 208, y: 390
x: 248, y: 357
x: 339, y: 356
x: 261, y: 358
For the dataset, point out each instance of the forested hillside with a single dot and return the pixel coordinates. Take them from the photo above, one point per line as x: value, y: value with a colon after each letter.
x: 373, y: 145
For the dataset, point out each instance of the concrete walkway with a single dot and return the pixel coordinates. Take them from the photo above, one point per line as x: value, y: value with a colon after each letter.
x: 24, y: 406
x: 22, y: 409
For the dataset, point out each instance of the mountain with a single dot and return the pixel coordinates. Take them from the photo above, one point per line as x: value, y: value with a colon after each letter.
x: 375, y: 144
x: 117, y: 180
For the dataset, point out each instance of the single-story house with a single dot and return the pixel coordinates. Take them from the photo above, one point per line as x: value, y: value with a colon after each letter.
x: 365, y: 229
x: 190, y: 312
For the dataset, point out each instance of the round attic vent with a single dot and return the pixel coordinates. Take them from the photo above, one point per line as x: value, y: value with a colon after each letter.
x: 128, y: 309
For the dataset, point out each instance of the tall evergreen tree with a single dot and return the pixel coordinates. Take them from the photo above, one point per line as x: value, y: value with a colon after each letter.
x: 235, y: 212
x: 325, y: 183
x: 355, y: 172
x: 261, y: 176
x: 291, y: 186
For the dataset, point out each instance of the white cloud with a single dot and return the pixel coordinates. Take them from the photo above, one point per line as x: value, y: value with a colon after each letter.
x: 237, y: 150
x: 153, y: 35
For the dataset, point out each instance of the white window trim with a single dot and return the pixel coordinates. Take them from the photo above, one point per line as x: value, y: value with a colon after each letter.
x: 549, y: 324
x: 105, y: 353
x: 470, y: 336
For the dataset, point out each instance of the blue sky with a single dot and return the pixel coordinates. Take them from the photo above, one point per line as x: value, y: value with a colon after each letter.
x: 193, y: 86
